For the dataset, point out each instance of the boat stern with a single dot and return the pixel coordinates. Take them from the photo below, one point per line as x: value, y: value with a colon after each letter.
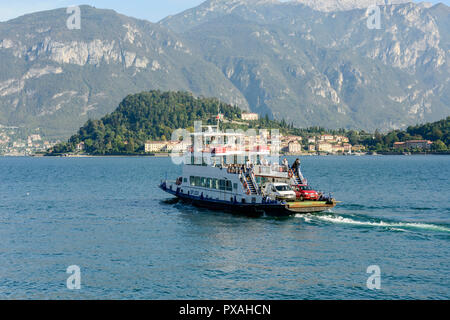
x: 310, y: 206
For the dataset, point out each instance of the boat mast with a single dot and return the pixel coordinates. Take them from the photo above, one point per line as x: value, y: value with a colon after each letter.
x: 218, y: 117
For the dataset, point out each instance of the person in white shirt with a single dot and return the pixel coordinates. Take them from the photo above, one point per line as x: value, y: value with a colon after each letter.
x: 286, y: 164
x: 248, y: 164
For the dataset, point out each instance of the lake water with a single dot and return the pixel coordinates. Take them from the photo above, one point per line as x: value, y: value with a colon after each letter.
x: 107, y: 216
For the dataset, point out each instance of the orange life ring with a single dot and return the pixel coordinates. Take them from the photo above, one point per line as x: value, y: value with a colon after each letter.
x: 248, y: 192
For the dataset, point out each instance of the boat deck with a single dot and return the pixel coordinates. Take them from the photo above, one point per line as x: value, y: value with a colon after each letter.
x: 309, y: 206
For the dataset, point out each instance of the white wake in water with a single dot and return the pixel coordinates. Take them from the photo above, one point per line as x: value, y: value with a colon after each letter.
x: 393, y: 225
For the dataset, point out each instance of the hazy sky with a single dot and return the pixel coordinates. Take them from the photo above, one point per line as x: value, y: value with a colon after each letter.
x: 153, y: 10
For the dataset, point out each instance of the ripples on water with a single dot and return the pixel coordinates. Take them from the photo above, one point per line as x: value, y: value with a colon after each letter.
x: 132, y: 241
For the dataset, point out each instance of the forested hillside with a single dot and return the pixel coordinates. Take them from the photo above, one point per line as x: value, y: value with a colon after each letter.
x: 155, y: 114
x: 145, y: 116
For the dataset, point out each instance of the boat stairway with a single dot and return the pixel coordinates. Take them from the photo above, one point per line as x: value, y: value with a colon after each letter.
x: 298, y: 180
x: 250, y: 185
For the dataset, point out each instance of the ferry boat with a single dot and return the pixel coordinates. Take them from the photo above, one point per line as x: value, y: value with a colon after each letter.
x: 214, y: 178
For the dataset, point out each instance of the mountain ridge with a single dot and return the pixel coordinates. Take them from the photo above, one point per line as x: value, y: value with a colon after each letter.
x: 343, y: 5
x: 326, y: 51
x: 48, y: 69
x: 278, y: 58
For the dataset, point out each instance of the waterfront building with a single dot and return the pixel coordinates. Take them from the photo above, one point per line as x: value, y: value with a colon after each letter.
x: 413, y: 144
x: 249, y: 116
x: 155, y: 146
x: 294, y: 147
x: 324, y: 147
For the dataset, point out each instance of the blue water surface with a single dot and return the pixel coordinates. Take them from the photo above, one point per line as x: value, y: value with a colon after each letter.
x: 107, y: 216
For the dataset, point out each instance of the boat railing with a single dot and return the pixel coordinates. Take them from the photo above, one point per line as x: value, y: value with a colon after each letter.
x: 255, y: 184
x: 234, y: 169
x: 271, y: 170
x: 302, y: 178
x: 243, y: 181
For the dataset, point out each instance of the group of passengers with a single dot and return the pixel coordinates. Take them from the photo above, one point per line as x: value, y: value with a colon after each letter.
x: 240, y: 168
x: 235, y: 168
x: 248, y: 167
x: 295, y: 166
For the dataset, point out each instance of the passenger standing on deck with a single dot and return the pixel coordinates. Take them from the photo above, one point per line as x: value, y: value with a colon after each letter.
x: 286, y: 164
x: 296, y: 165
x: 248, y: 165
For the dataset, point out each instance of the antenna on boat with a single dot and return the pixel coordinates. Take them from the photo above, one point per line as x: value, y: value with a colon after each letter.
x: 218, y: 118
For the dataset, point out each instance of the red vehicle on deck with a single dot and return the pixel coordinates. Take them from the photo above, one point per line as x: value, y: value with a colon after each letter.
x: 305, y: 192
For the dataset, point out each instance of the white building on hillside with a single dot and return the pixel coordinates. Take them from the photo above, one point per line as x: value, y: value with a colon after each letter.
x: 249, y: 116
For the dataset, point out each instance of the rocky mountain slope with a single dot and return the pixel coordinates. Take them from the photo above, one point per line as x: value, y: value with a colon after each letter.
x: 343, y: 5
x: 285, y: 59
x: 328, y: 68
x: 55, y: 78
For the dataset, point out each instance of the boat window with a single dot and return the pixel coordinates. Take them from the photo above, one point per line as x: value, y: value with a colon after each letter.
x: 235, y: 186
x: 215, y: 184
x: 283, y: 188
x: 197, y: 181
x: 185, y: 180
x: 192, y: 180
x: 209, y: 183
x: 222, y: 184
x: 229, y: 185
x: 203, y: 182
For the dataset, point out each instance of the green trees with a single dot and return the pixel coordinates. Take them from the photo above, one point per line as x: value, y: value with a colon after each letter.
x: 438, y: 132
x: 439, y: 145
x: 155, y: 114
x: 145, y: 116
